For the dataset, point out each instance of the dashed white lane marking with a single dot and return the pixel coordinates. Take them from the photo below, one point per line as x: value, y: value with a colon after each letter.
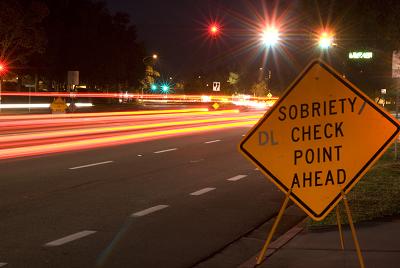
x: 139, y: 155
x: 167, y: 150
x: 214, y: 141
x: 236, y: 178
x: 256, y: 169
x: 149, y: 211
x: 92, y: 165
x: 69, y: 238
x: 203, y: 191
x: 243, y: 135
x: 197, y: 160
x: 3, y: 264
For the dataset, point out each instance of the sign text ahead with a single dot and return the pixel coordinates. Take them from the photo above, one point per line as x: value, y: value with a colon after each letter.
x: 319, y: 139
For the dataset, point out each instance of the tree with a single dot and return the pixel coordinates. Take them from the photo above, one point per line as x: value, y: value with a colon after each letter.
x: 259, y: 89
x: 21, y: 34
x: 150, y: 77
x: 84, y: 36
x: 233, y: 80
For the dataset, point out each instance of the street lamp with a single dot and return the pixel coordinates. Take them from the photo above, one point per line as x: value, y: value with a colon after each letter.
x: 270, y: 36
x: 325, y: 40
x: 154, y: 57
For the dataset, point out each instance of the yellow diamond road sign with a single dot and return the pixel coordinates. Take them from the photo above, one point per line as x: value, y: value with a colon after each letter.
x: 215, y: 106
x: 58, y: 106
x: 319, y: 139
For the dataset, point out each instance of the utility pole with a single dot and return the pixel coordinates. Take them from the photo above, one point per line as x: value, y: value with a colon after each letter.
x: 0, y: 91
x: 396, y: 76
x: 3, y: 70
x: 396, y: 154
x: 269, y: 81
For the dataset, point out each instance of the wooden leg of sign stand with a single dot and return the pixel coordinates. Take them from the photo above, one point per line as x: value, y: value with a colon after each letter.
x: 353, y: 231
x: 339, y: 224
x: 274, y: 226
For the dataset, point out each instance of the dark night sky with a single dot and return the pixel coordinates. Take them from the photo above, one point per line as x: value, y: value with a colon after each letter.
x: 177, y: 31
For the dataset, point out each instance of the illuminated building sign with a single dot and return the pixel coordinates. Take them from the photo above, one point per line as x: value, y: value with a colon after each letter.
x: 360, y: 55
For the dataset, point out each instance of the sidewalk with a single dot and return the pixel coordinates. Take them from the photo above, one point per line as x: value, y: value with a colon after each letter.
x: 379, y: 242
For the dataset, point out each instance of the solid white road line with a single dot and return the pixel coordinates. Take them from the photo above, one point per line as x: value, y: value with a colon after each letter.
x: 92, y: 165
x: 236, y: 178
x: 167, y: 150
x: 3, y: 264
x: 214, y: 141
x: 203, y: 191
x: 149, y: 211
x: 69, y: 238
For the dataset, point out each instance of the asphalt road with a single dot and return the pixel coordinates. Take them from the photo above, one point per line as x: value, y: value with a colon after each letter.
x: 170, y: 202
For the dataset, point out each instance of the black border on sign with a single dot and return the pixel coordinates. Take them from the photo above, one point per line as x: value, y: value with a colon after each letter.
x: 349, y: 86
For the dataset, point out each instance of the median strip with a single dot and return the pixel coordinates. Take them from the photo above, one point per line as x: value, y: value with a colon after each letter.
x: 69, y: 238
x: 203, y: 191
x: 92, y: 165
x: 149, y: 211
x: 236, y: 178
x: 167, y: 150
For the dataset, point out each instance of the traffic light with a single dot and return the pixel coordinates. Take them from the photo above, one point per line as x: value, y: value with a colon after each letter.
x: 2, y: 68
x: 214, y: 30
x: 165, y: 88
x: 153, y: 87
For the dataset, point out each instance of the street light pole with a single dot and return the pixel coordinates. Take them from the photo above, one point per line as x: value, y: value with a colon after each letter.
x: 154, y: 56
x: 2, y: 70
x: 270, y: 37
x: 396, y: 143
x: 1, y: 80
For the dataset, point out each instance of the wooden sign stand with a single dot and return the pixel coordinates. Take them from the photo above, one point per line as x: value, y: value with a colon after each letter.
x: 261, y: 258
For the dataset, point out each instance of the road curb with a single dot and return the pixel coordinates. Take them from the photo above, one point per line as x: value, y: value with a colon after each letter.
x: 275, y: 245
x: 241, y: 250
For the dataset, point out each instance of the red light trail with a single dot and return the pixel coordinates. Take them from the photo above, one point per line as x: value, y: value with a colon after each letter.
x: 30, y: 135
x: 187, y: 98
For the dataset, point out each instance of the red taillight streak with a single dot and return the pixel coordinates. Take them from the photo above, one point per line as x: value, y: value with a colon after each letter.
x: 58, y: 122
x: 66, y: 133
x: 100, y: 114
x: 197, y: 98
x: 112, y: 140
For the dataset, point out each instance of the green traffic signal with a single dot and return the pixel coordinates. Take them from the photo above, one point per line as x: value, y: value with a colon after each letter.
x: 165, y: 88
